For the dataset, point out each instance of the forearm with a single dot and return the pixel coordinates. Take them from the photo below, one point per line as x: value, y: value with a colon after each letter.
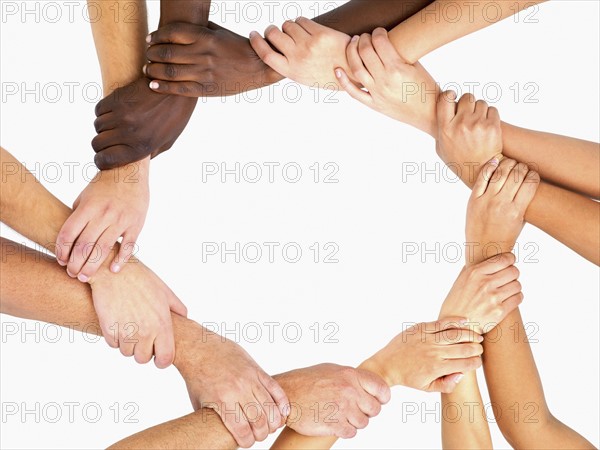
x: 201, y: 430
x: 444, y: 21
x: 565, y: 161
x: 464, y: 422
x: 514, y: 382
x: 191, y: 11
x: 363, y: 16
x: 120, y: 37
x: 568, y: 217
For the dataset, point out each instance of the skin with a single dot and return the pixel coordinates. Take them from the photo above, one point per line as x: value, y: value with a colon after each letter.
x: 138, y: 323
x: 308, y: 53
x: 569, y: 217
x: 509, y: 366
x: 98, y: 221
x: 34, y: 287
x: 134, y: 122
x: 213, y: 61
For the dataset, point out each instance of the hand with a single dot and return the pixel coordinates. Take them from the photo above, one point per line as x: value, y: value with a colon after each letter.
x: 135, y: 122
x: 485, y: 293
x: 220, y: 375
x: 344, y: 397
x: 496, y: 209
x: 469, y: 134
x: 113, y: 204
x: 429, y: 356
x: 196, y: 61
x: 134, y: 312
x: 399, y: 90
x: 309, y: 52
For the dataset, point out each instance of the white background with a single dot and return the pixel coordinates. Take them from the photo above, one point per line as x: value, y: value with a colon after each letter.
x: 371, y: 214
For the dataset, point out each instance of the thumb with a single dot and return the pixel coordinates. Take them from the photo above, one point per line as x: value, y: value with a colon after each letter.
x: 375, y: 386
x: 446, y: 384
x: 177, y: 306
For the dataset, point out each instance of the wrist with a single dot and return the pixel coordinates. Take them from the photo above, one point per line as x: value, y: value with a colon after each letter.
x: 376, y: 364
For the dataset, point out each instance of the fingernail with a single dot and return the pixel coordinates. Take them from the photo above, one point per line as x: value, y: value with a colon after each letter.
x: 70, y: 274
x: 61, y: 262
x: 83, y: 278
x: 479, y: 338
x: 338, y: 73
x: 115, y: 268
x: 154, y: 85
x: 285, y: 410
x: 355, y: 38
x: 253, y: 33
x: 149, y: 39
x: 494, y: 162
x: 145, y: 69
x: 458, y: 377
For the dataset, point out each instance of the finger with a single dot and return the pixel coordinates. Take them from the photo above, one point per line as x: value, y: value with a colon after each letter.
x: 270, y: 57
x: 107, y: 139
x: 369, y: 405
x: 184, y: 88
x: 505, y: 276
x: 105, y: 122
x: 461, y: 351
x: 127, y: 348
x: 514, y: 181
x: 117, y: 156
x: 496, y: 263
x: 527, y: 191
x: 277, y: 393
x: 170, y: 72
x: 269, y: 408
x: 310, y: 26
x: 359, y: 71
x: 385, y: 49
x: 68, y: 234
x: 481, y: 109
x: 485, y: 176
x: 462, y: 365
x: 176, y: 33
x: 369, y: 56
x: 466, y: 105
x: 177, y: 306
x: 451, y: 336
x: 257, y: 417
x: 128, y: 247
x: 295, y: 31
x: 353, y: 90
x: 493, y: 114
x: 446, y: 107
x: 374, y: 385
x: 279, y: 39
x: 237, y: 425
x: 446, y: 384
x: 104, y: 106
x: 100, y: 252
x: 346, y: 430
x: 164, y: 346
x: 358, y: 420
x: 143, y: 348
x: 501, y: 176
x: 83, y: 247
x: 509, y: 290
x: 173, y: 54
x: 512, y: 303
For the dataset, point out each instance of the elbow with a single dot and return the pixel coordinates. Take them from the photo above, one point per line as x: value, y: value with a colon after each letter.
x: 523, y: 430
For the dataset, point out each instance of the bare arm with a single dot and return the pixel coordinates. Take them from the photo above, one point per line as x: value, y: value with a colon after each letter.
x: 445, y: 21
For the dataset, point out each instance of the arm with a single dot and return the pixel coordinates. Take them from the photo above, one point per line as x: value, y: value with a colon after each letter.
x: 426, y: 356
x: 496, y: 208
x: 445, y: 21
x: 213, y: 61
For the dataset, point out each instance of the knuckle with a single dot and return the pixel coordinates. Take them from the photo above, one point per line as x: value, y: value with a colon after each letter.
x: 165, y: 52
x: 171, y: 71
